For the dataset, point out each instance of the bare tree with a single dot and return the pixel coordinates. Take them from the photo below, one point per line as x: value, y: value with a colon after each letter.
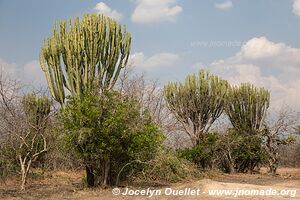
x: 23, y: 124
x: 278, y: 132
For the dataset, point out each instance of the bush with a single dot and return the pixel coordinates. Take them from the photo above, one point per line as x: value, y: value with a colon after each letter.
x: 107, y: 132
x: 205, y: 153
x: 247, y: 151
x: 229, y: 152
x: 167, y: 167
x: 8, y: 163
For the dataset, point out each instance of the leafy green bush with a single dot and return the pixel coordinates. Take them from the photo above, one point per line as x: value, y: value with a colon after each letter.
x: 230, y: 152
x: 205, y: 153
x: 106, y: 132
x: 247, y: 151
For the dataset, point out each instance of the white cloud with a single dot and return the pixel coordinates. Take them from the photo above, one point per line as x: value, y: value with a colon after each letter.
x: 107, y: 11
x: 33, y: 74
x: 261, y: 48
x: 30, y: 73
x: 296, y: 7
x: 225, y: 5
x: 264, y: 63
x: 139, y: 60
x: 153, y: 11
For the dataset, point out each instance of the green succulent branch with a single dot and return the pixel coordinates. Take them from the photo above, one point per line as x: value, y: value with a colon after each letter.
x: 84, y: 55
x: 36, y: 109
x: 247, y: 107
x: 197, y: 103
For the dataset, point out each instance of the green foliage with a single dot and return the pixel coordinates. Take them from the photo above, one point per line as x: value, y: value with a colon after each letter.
x: 8, y: 163
x: 205, y: 153
x: 197, y: 103
x: 246, y: 150
x: 109, y: 127
x: 167, y: 167
x: 84, y: 54
x: 247, y: 106
x: 233, y: 151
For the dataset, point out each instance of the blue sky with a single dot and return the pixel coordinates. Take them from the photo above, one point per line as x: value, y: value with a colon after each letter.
x: 255, y: 41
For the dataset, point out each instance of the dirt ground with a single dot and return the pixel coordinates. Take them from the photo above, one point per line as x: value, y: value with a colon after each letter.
x: 69, y: 185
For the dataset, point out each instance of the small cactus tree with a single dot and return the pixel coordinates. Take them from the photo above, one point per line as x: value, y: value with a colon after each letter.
x: 84, y: 55
x: 247, y: 107
x: 36, y: 109
x: 197, y: 103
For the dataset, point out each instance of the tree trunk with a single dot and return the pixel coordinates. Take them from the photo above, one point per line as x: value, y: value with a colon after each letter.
x: 230, y: 162
x: 23, y: 177
x: 273, y: 163
x: 90, y: 178
x: 273, y: 168
x: 24, y: 171
x: 106, y: 172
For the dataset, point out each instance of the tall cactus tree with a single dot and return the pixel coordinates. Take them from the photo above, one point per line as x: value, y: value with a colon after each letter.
x: 247, y: 107
x: 84, y: 55
x: 197, y: 103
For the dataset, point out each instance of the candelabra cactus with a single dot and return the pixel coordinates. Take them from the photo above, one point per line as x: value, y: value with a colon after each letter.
x: 197, y: 103
x: 36, y: 109
x: 247, y: 106
x: 84, y: 55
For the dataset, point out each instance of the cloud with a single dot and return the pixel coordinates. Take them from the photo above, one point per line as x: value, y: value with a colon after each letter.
x: 107, y: 11
x: 154, y: 11
x: 264, y: 63
x: 261, y: 48
x: 225, y: 5
x: 33, y: 74
x: 30, y: 73
x: 296, y: 7
x: 139, y: 60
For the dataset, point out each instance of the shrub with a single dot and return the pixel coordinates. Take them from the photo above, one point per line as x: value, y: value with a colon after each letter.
x: 247, y: 151
x: 205, y: 153
x: 8, y: 163
x: 229, y: 152
x: 167, y: 167
x: 106, y: 132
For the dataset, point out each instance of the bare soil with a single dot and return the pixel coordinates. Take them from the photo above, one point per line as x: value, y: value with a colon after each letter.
x: 69, y: 185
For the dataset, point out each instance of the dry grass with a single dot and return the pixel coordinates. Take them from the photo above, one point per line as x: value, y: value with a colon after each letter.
x: 69, y: 185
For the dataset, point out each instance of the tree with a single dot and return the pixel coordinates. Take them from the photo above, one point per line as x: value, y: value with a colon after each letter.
x: 33, y: 143
x: 24, y: 125
x: 277, y: 133
x: 107, y: 132
x: 247, y: 107
x: 197, y: 103
x: 85, y: 56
